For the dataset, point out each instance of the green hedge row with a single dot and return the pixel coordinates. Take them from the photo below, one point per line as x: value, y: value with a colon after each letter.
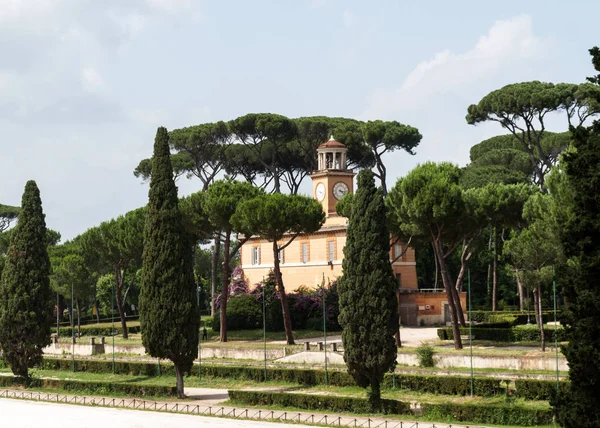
x: 478, y: 413
x: 533, y: 389
x: 504, y: 334
x: 317, y: 402
x: 108, y: 388
x: 498, y: 316
x: 100, y: 329
x: 489, y: 414
x: 447, y: 385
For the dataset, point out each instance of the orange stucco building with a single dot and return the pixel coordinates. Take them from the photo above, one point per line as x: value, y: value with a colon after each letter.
x: 310, y: 258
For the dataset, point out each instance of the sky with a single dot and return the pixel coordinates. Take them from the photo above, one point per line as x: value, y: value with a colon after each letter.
x: 85, y: 83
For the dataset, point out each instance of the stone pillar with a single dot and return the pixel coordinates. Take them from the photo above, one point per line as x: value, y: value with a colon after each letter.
x: 92, y: 341
x: 55, y: 340
x: 102, y: 342
x: 307, y: 346
x: 320, y: 346
x: 334, y: 347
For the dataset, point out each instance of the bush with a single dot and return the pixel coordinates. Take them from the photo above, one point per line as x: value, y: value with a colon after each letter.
x: 425, y: 355
x: 452, y: 385
x: 244, y: 313
x: 504, y: 334
x: 534, y: 389
x: 488, y: 414
x: 104, y: 329
x: 317, y: 402
x: 130, y: 389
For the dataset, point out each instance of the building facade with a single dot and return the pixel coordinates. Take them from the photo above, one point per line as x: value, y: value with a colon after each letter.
x: 312, y: 259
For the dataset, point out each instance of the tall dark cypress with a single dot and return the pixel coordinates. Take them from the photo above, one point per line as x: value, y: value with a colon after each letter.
x: 25, y: 297
x: 169, y: 314
x: 578, y: 405
x: 367, y: 291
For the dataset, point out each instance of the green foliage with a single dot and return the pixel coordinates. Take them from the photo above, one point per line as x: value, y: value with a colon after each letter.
x: 367, y: 290
x: 425, y: 355
x: 244, y: 313
x: 536, y: 389
x: 7, y: 215
x: 90, y: 387
x: 580, y: 235
x: 504, y: 334
x: 318, y: 402
x: 99, y: 330
x: 25, y: 297
x: 489, y: 414
x: 169, y: 314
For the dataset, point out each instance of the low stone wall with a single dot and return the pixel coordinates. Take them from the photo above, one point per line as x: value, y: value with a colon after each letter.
x: 242, y: 353
x: 508, y: 362
x: 78, y: 349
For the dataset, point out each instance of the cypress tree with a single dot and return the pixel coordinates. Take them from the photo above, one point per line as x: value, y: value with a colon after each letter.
x: 25, y: 297
x: 169, y: 314
x: 579, y: 405
x: 367, y: 291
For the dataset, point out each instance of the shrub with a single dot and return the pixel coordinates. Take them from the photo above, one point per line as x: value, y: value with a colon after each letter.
x: 504, y: 334
x: 534, y: 389
x: 125, y: 388
x: 489, y: 414
x: 317, y: 402
x: 425, y: 355
x: 244, y: 312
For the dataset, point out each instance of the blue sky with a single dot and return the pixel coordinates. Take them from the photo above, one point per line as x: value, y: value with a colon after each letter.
x: 84, y: 84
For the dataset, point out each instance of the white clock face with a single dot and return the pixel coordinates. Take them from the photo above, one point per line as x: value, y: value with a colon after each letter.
x: 339, y: 190
x: 320, y: 192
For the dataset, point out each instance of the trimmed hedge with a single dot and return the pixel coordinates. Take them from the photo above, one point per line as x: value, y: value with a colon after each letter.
x: 448, y: 385
x: 100, y: 329
x: 498, y: 316
x: 489, y: 414
x: 317, y: 402
x: 504, y: 334
x: 93, y: 387
x: 534, y: 389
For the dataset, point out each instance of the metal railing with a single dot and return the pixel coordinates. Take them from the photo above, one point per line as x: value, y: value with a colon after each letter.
x: 220, y: 411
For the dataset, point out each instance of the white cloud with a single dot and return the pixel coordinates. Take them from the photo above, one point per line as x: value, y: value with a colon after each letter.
x: 15, y: 10
x: 505, y: 45
x: 91, y: 79
x: 169, y: 5
x: 348, y: 19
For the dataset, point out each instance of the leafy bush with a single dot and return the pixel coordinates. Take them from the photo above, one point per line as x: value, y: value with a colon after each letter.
x: 317, y: 402
x: 244, y: 313
x: 104, y: 329
x: 125, y: 388
x: 446, y: 385
x: 489, y: 414
x: 504, y: 334
x: 425, y: 355
x: 534, y: 389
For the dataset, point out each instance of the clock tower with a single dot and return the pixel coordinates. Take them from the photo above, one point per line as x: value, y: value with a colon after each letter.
x: 332, y: 180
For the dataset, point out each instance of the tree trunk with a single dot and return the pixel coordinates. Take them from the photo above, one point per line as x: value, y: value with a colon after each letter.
x: 456, y: 292
x: 224, y: 288
x: 179, y: 377
x: 435, y: 285
x: 495, y: 272
x: 119, y: 280
x: 541, y: 318
x: 287, y: 320
x: 78, y: 318
x: 519, y: 288
x: 397, y: 335
x: 489, y: 270
x: 375, y: 395
x: 214, y: 266
x: 57, y: 315
x: 449, y: 287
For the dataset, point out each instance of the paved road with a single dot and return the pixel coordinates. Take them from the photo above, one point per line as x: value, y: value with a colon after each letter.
x: 28, y: 414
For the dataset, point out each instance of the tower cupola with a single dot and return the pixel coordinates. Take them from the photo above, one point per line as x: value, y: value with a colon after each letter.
x: 332, y: 155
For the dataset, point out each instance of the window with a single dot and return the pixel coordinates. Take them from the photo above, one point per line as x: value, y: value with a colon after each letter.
x: 255, y: 255
x: 305, y: 253
x: 399, y: 280
x: 281, y: 256
x: 397, y: 250
x: 331, y: 251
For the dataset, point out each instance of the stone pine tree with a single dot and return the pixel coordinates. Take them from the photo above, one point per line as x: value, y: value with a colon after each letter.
x: 367, y: 291
x: 169, y: 313
x: 25, y: 297
x: 579, y: 405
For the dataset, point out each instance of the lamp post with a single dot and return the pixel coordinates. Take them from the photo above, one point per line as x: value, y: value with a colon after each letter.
x: 264, y: 328
x: 72, y: 332
x: 325, y: 333
x: 470, y: 327
x: 112, y: 299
